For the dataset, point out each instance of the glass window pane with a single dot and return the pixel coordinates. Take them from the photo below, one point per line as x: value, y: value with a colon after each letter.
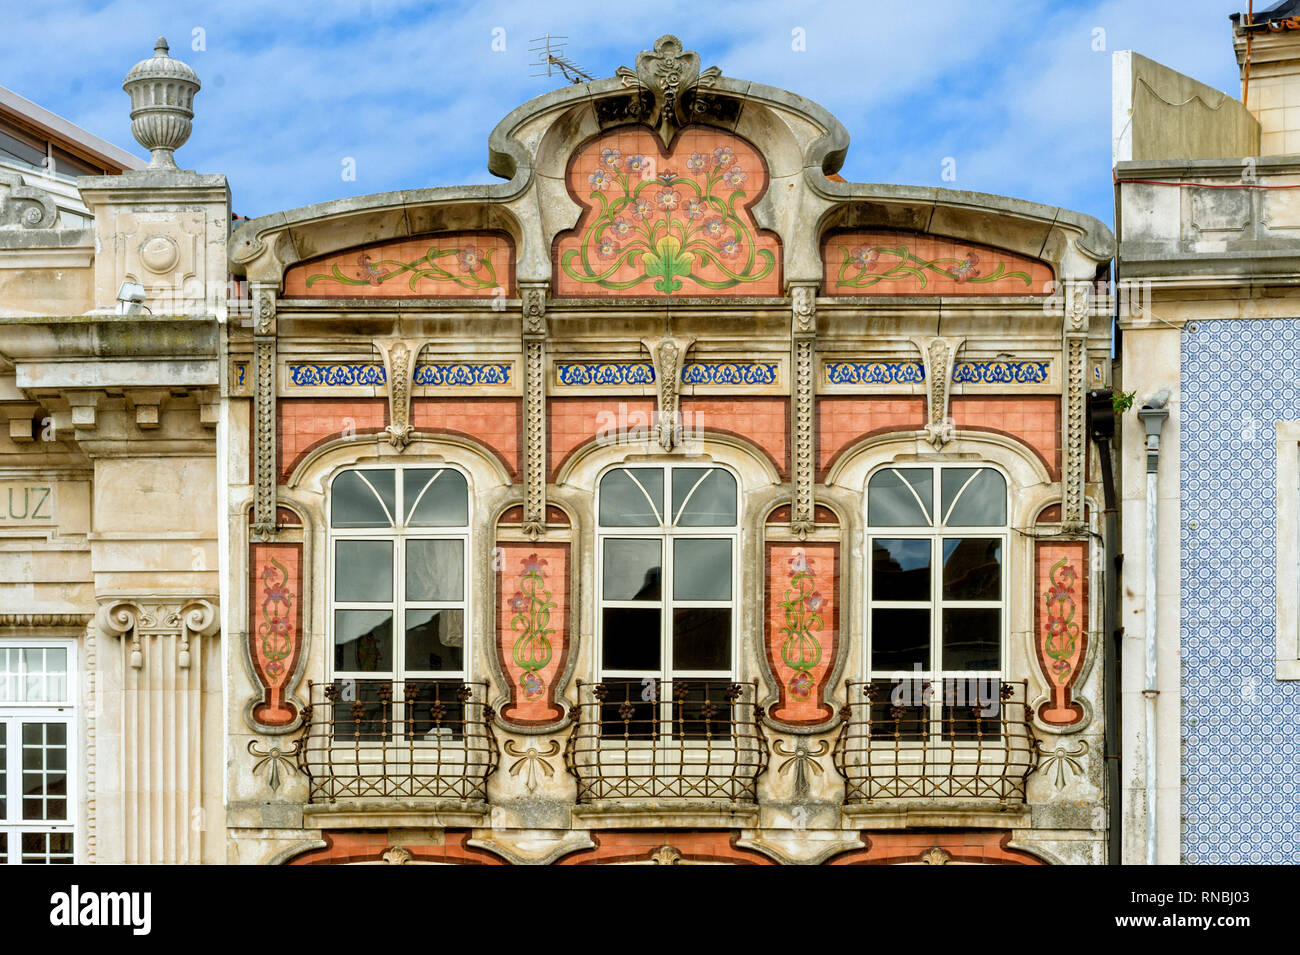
x: 972, y: 638
x: 363, y: 499
x: 974, y: 497
x: 363, y: 641
x: 47, y: 847
x: 900, y: 497
x: 630, y: 638
x: 628, y: 710
x: 704, y: 497
x: 69, y: 165
x: 632, y: 497
x: 363, y: 571
x: 702, y: 638
x: 435, y: 498
x: 435, y: 709
x: 17, y: 146
x: 972, y: 568
x: 44, y: 774
x: 4, y: 846
x: 633, y: 569
x: 900, y: 640
x: 700, y: 709
x: 363, y: 711
x: 701, y: 569
x: 435, y: 639
x: 9, y: 675
x: 435, y: 570
x: 900, y: 569
x: 899, y: 710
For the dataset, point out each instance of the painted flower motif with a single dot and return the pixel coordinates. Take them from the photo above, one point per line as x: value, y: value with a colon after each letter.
x: 693, y: 208
x: 1067, y: 576
x: 532, y: 685
x: 864, y: 258
x: 600, y: 178
x: 697, y: 162
x: 734, y: 177
x: 621, y: 226
x: 637, y: 163
x: 799, y: 562
x: 643, y: 208
x: 1059, y: 593
x: 372, y: 274
x: 965, y: 269
x: 471, y: 257
x: 1056, y: 626
x: 610, y: 157
x: 801, y: 686
x: 606, y: 247
x: 713, y: 227
x: 816, y: 601
x: 669, y: 199
x: 274, y: 668
x: 1061, y: 667
x: 730, y: 248
x: 532, y: 564
x: 723, y: 156
x: 518, y: 603
x: 667, y: 177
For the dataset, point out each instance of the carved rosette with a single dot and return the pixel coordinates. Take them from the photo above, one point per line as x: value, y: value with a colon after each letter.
x: 803, y: 331
x: 534, y: 346
x: 939, y: 356
x: 666, y: 73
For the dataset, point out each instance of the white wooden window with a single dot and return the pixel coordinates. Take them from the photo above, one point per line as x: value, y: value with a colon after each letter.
x: 667, y: 582
x: 399, y: 591
x: 936, y: 580
x: 38, y: 805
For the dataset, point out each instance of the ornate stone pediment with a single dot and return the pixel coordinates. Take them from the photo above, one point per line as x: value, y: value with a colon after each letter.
x: 667, y: 72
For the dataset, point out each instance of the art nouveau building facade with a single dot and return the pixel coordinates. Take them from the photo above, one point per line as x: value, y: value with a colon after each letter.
x: 672, y: 500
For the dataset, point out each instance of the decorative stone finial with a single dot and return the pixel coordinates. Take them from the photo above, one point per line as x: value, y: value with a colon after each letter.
x: 162, y: 104
x: 667, y: 73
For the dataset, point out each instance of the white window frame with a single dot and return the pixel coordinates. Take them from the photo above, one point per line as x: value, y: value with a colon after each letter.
x: 1287, y: 639
x: 936, y: 605
x: 666, y: 533
x: 398, y: 534
x: 12, y: 715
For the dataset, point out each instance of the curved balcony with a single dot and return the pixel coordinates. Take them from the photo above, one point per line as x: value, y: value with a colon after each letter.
x: 403, y: 740
x: 969, y: 741
x: 689, y: 739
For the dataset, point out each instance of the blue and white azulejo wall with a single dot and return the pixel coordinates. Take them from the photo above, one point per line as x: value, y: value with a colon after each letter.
x: 1241, y: 727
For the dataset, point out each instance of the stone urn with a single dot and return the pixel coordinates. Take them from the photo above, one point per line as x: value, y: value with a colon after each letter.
x: 162, y: 104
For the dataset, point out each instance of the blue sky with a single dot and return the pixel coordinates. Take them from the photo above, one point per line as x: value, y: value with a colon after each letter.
x: 1015, y: 93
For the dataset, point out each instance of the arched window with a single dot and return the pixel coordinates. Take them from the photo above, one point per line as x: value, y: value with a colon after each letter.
x: 667, y: 586
x: 399, y: 590
x: 936, y: 588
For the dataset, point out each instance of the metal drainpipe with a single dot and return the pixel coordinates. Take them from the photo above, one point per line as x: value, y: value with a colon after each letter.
x: 1153, y: 415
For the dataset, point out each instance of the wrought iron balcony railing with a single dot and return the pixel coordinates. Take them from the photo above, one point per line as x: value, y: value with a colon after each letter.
x: 651, y: 739
x: 958, y: 738
x: 416, y: 739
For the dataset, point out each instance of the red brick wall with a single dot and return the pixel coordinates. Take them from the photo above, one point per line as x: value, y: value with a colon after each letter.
x: 495, y: 422
x: 305, y: 423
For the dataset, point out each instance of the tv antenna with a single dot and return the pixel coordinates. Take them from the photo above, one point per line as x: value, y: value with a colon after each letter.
x: 551, y: 60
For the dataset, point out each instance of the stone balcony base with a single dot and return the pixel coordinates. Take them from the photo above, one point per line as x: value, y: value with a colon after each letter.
x: 395, y: 814
x: 664, y: 814
x: 935, y: 814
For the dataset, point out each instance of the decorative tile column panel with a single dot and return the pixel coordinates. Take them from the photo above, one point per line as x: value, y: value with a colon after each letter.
x: 802, y: 613
x: 1061, y: 626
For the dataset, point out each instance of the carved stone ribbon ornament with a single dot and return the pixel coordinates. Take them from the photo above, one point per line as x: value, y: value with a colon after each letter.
x: 939, y: 355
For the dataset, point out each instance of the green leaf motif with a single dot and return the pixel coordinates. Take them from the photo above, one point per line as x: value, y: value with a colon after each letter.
x: 868, y: 266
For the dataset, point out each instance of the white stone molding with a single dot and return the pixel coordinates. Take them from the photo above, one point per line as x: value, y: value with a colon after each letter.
x: 803, y: 340
x: 534, y: 410
x: 939, y: 356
